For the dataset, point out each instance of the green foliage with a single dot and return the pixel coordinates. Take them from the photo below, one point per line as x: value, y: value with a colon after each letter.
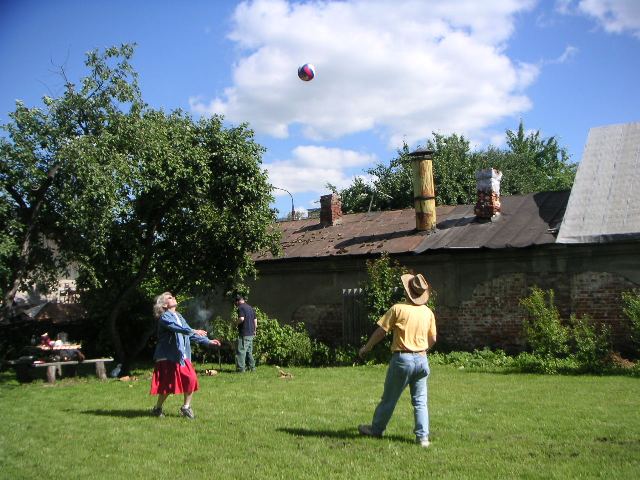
x: 140, y: 200
x: 383, y: 286
x: 545, y: 334
x: 591, y: 343
x: 554, y: 346
x: 453, y: 170
x: 282, y: 345
x: 381, y: 290
x: 484, y: 359
x: 44, y: 172
x: 529, y: 164
x: 631, y: 308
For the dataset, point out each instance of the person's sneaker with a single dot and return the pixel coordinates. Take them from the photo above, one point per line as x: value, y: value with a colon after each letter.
x: 157, y: 412
x: 187, y: 412
x: 367, y: 431
x: 423, y: 442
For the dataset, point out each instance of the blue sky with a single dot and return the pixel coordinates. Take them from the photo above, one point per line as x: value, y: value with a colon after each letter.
x: 387, y: 71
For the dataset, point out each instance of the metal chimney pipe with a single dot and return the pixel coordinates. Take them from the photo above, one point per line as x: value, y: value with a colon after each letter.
x: 424, y: 197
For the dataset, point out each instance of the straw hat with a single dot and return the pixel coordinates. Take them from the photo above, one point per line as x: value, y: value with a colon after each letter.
x: 416, y: 287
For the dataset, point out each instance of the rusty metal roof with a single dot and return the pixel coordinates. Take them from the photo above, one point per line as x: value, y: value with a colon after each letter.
x: 525, y: 220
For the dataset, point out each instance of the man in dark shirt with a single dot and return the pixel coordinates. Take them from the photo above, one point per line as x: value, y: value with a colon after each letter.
x: 247, y: 324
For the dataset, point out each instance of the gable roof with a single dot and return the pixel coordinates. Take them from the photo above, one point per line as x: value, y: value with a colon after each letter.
x: 604, y: 205
x: 526, y: 220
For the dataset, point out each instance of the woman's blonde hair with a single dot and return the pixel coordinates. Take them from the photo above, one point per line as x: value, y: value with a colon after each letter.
x: 159, y: 306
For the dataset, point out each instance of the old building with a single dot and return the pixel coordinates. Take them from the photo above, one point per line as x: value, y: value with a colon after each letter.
x: 480, y: 259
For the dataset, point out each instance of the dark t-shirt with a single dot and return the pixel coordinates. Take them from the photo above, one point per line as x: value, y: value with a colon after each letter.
x: 248, y: 327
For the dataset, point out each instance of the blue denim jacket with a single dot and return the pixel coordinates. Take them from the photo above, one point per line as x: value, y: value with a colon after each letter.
x: 175, y: 337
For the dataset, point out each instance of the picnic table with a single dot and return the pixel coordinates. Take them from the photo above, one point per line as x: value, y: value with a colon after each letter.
x: 28, y: 370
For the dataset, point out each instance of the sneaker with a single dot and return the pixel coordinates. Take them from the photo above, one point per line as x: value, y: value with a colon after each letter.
x: 157, y: 412
x: 423, y: 442
x: 187, y: 412
x: 367, y: 431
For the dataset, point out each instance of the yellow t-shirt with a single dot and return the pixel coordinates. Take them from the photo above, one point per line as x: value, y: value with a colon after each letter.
x: 411, y: 325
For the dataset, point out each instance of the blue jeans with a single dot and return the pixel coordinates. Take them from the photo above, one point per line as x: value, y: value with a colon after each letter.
x: 244, y: 351
x: 405, y: 369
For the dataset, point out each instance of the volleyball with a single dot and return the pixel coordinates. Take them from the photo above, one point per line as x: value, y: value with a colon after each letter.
x: 306, y: 72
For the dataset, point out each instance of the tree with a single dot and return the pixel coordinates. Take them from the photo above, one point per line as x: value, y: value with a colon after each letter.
x: 40, y: 162
x: 529, y: 164
x: 544, y: 159
x: 391, y: 187
x: 155, y: 201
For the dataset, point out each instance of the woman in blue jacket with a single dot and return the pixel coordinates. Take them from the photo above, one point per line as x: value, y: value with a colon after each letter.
x: 173, y: 372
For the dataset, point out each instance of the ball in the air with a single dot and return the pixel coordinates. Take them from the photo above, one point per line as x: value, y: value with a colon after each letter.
x: 306, y: 72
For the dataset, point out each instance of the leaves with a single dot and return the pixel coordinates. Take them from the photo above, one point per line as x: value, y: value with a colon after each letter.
x: 529, y: 164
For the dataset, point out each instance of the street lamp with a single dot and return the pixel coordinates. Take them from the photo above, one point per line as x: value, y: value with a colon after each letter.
x: 293, y: 210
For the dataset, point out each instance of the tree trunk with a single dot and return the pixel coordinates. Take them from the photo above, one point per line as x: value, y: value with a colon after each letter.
x: 112, y: 320
x: 32, y: 216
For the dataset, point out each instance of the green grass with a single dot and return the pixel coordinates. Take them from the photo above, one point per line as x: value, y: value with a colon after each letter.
x: 484, y: 425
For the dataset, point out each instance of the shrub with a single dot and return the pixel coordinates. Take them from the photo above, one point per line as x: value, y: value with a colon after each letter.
x: 383, y: 286
x: 543, y: 330
x: 591, y: 343
x: 631, y: 309
x: 282, y: 345
x: 484, y: 359
x: 531, y: 363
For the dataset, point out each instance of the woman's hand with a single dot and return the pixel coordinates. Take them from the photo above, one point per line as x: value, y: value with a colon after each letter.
x: 215, y: 342
x: 201, y: 333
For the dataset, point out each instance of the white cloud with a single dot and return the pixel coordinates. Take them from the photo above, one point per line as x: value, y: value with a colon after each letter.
x: 400, y: 68
x: 312, y: 167
x: 569, y: 52
x: 614, y: 16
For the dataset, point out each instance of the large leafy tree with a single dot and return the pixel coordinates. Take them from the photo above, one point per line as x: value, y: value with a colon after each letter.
x: 529, y: 163
x: 40, y: 162
x: 194, y: 206
x: 147, y: 201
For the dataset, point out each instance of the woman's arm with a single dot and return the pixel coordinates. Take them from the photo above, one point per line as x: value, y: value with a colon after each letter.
x: 170, y: 322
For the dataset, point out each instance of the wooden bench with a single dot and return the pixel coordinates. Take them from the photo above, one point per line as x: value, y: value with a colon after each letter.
x: 54, y: 368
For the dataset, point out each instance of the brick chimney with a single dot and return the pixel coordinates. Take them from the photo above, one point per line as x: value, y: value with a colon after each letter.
x: 330, y: 210
x: 488, y: 187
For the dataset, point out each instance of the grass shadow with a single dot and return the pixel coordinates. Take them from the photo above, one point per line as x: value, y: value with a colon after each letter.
x: 348, y: 433
x: 124, y: 413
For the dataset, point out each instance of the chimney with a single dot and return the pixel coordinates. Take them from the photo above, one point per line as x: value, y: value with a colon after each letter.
x: 488, y: 187
x: 330, y: 210
x: 424, y: 197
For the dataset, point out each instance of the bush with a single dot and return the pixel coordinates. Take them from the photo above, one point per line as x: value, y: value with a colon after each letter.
x: 531, y: 363
x: 282, y: 345
x: 543, y: 330
x: 591, y: 343
x: 484, y: 359
x: 631, y: 309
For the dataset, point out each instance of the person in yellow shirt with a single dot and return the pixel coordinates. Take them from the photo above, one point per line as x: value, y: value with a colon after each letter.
x: 414, y: 332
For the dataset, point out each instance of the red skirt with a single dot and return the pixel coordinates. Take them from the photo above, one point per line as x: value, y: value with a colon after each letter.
x: 170, y: 377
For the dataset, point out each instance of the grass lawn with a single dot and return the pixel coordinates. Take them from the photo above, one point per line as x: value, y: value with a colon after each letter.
x: 260, y: 426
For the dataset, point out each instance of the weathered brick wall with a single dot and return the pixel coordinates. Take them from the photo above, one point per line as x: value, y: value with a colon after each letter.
x: 598, y: 294
x: 493, y: 316
x: 323, y: 322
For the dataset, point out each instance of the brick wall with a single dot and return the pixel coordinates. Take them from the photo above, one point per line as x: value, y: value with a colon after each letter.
x: 493, y: 316
x: 323, y: 322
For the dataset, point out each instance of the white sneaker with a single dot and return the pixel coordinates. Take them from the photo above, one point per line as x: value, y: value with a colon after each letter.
x: 423, y: 442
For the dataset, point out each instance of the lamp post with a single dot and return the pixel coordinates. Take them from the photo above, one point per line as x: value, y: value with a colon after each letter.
x: 293, y: 210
